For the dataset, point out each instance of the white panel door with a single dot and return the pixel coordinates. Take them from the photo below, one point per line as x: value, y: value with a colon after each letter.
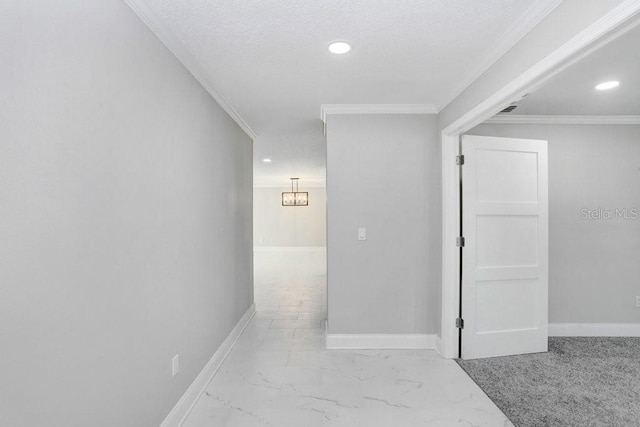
x: 505, y: 259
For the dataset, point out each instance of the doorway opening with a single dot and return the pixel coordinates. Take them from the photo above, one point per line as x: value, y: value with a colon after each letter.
x: 290, y: 291
x: 574, y: 50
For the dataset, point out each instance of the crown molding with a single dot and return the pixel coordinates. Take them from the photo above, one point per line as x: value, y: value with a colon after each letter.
x: 611, y: 25
x: 149, y: 17
x: 326, y: 109
x: 520, y: 28
x: 285, y: 182
x: 564, y: 120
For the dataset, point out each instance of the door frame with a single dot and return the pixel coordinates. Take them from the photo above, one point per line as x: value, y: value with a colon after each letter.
x: 603, y: 31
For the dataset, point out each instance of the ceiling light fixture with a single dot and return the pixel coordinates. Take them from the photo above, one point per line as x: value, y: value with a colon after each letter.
x: 608, y: 85
x: 339, y: 48
x: 266, y: 160
x: 295, y: 198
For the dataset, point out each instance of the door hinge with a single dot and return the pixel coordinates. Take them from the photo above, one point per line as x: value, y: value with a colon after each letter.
x: 459, y: 323
x: 460, y: 160
x: 460, y: 242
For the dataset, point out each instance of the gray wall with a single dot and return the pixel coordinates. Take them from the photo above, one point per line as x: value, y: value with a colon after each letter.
x: 593, y: 265
x: 383, y: 173
x: 277, y: 225
x: 125, y: 219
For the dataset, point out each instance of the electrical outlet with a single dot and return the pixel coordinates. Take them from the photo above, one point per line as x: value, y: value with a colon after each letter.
x: 175, y: 365
x: 638, y: 301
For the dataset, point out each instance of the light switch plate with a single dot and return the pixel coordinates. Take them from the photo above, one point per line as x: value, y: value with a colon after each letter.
x: 362, y: 234
x: 175, y: 365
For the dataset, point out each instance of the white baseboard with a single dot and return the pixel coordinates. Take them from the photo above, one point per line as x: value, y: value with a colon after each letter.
x: 179, y: 412
x: 380, y: 341
x: 288, y: 248
x: 594, y: 329
x: 438, y: 345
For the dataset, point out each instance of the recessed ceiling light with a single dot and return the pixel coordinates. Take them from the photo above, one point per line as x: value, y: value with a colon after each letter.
x: 339, y: 48
x: 608, y: 85
x: 266, y: 160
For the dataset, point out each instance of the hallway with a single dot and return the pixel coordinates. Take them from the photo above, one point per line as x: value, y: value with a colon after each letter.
x: 279, y: 373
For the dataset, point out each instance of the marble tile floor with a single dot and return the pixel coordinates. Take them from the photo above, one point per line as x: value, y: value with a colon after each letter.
x: 279, y: 374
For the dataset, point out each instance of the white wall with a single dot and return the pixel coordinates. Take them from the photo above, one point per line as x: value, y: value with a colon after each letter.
x: 125, y: 221
x: 594, y: 263
x: 277, y: 225
x: 383, y: 173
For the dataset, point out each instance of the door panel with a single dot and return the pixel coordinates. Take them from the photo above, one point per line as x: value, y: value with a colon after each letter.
x: 517, y: 234
x: 508, y: 303
x: 505, y: 258
x: 503, y: 176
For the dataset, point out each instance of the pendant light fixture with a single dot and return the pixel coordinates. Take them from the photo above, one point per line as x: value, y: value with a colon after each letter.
x: 295, y: 197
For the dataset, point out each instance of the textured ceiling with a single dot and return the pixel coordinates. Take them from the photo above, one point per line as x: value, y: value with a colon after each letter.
x: 572, y: 91
x: 269, y: 59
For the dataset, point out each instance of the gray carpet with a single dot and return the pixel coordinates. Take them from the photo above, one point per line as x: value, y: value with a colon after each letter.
x: 586, y: 381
